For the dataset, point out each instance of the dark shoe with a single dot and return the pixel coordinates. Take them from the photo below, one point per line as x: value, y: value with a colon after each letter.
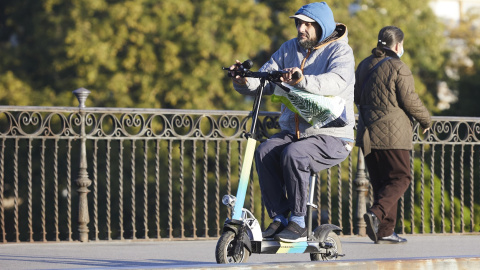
x: 392, y: 239
x: 372, y: 225
x: 272, y: 229
x: 292, y: 233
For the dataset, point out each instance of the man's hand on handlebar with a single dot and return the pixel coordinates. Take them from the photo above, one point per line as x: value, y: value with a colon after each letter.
x: 240, y: 71
x: 289, y: 78
x: 236, y: 78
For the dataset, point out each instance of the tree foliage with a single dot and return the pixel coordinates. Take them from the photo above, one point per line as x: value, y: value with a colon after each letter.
x: 168, y: 54
x: 140, y: 53
x: 464, y: 64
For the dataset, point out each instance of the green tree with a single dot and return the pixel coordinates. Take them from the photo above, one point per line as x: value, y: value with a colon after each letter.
x: 140, y: 53
x: 424, y: 41
x: 464, y: 65
x: 168, y: 54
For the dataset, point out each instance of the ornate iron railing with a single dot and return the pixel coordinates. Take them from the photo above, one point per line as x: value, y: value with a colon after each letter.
x: 160, y: 174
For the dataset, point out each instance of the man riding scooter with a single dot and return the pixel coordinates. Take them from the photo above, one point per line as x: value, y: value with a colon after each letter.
x: 284, y: 162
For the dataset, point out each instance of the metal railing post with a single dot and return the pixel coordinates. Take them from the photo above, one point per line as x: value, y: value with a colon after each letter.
x: 361, y: 182
x: 82, y: 181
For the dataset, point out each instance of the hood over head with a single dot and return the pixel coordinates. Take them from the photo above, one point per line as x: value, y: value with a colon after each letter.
x: 319, y: 12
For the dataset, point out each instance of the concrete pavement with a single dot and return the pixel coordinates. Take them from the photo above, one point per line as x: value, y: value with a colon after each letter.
x: 421, y: 252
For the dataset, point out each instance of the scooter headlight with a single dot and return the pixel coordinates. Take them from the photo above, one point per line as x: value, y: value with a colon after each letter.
x: 229, y: 200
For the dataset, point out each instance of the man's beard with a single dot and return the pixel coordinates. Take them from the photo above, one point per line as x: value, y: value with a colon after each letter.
x: 308, y: 44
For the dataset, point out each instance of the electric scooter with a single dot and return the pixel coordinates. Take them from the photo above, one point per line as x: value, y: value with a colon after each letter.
x: 242, y: 234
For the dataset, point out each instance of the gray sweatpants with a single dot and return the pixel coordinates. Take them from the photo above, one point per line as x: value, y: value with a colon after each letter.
x: 284, y: 165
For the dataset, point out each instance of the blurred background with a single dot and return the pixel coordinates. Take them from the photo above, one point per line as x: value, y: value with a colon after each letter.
x: 169, y: 53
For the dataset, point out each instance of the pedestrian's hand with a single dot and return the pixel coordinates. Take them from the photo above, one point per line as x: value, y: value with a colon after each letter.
x: 425, y: 130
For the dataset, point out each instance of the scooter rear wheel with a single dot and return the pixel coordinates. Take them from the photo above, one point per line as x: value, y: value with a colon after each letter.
x: 224, y: 252
x: 332, y: 253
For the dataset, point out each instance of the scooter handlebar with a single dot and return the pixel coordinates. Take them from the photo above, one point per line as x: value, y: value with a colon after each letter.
x: 273, y: 76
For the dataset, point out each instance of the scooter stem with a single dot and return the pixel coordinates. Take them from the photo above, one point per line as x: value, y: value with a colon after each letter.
x: 256, y: 106
x: 248, y: 159
x: 244, y: 177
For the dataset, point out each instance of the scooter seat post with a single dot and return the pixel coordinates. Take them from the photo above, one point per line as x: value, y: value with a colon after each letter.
x: 310, y: 205
x: 313, y: 180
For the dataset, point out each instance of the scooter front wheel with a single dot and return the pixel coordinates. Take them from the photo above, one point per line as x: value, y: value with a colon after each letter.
x: 333, y: 252
x: 225, y: 250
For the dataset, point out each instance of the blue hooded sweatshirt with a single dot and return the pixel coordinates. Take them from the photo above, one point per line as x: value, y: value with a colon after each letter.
x: 322, y: 14
x: 328, y: 70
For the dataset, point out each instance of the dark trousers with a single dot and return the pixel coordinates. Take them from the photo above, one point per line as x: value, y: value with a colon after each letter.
x: 284, y: 165
x: 390, y: 177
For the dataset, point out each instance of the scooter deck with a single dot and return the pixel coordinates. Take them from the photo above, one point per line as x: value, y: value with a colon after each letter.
x: 274, y: 247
